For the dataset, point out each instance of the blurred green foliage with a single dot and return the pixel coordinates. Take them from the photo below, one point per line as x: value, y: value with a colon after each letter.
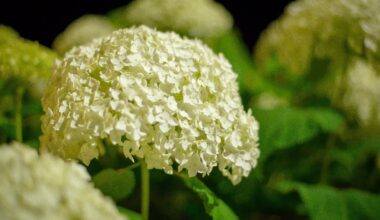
x: 324, y: 202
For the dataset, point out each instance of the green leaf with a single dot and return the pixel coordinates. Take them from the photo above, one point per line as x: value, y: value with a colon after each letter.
x: 284, y: 127
x: 324, y: 202
x: 234, y: 49
x: 214, y: 206
x: 117, y: 184
x: 131, y: 215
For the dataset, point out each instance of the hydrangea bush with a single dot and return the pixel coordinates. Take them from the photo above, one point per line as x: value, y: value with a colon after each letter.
x: 166, y: 103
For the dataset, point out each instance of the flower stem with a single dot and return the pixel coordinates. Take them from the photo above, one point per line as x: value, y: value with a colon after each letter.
x: 133, y: 166
x: 144, y: 191
x: 18, y: 114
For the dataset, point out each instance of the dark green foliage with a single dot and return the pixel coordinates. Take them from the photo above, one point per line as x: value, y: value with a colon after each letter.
x: 324, y: 202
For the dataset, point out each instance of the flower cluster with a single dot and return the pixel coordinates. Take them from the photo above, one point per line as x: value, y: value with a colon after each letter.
x: 82, y: 31
x: 155, y: 95
x: 344, y: 35
x: 45, y: 187
x: 24, y: 60
x: 194, y: 18
x: 323, y: 29
x: 362, y: 96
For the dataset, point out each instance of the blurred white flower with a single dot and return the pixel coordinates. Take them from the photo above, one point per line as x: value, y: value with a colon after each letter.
x: 24, y: 60
x: 194, y: 18
x: 362, y: 96
x: 82, y: 31
x: 340, y: 41
x: 323, y: 29
x: 155, y: 95
x: 45, y: 187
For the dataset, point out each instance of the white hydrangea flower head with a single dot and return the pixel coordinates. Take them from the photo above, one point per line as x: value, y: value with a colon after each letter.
x: 44, y: 187
x: 157, y: 96
x: 24, y: 60
x: 194, y: 18
x: 362, y: 96
x: 82, y: 31
x: 324, y: 29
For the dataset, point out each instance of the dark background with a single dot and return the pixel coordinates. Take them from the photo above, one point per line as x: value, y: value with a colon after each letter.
x: 42, y: 21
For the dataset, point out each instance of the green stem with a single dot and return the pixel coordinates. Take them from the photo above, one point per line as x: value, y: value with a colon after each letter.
x: 144, y: 191
x: 18, y: 114
x: 133, y: 166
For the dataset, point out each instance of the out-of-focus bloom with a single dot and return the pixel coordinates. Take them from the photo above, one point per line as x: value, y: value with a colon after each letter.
x: 45, y: 187
x: 270, y: 100
x: 325, y: 29
x: 362, y: 96
x: 343, y: 37
x: 155, y: 95
x: 7, y: 33
x: 24, y: 60
x: 82, y: 31
x: 194, y: 18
